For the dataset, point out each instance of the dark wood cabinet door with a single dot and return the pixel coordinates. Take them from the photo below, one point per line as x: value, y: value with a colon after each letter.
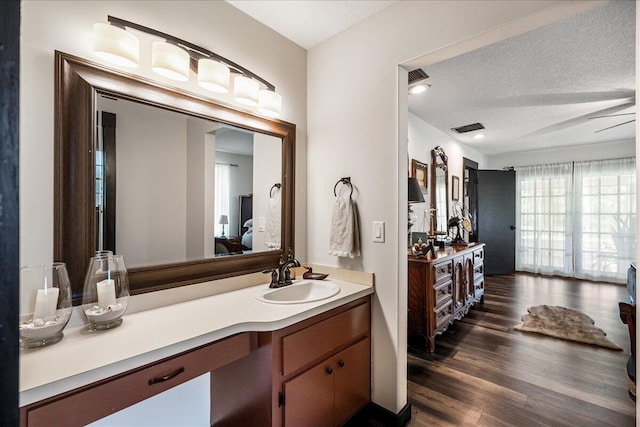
x: 309, y: 397
x: 352, y: 380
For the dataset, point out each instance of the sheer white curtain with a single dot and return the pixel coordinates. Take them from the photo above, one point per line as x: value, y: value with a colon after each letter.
x: 221, y: 204
x: 543, y: 220
x: 577, y: 219
x: 605, y: 226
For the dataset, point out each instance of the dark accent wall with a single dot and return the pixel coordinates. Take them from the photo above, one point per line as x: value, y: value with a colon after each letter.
x: 9, y: 243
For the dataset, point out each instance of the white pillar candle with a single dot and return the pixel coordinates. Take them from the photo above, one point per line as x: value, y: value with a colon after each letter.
x: 46, y: 303
x: 106, y: 293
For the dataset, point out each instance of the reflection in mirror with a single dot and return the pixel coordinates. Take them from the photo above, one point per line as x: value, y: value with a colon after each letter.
x: 164, y: 181
x: 439, y: 190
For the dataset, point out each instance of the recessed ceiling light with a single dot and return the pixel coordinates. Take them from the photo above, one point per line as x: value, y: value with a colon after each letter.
x: 414, y: 90
x: 478, y: 136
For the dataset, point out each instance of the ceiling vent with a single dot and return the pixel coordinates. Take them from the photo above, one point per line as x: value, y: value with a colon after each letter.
x: 417, y: 75
x: 468, y: 128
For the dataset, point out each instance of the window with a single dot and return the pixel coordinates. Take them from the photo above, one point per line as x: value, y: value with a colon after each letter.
x: 577, y: 219
x: 221, y: 196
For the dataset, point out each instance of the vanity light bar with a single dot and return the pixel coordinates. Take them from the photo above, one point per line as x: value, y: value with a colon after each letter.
x: 174, y: 57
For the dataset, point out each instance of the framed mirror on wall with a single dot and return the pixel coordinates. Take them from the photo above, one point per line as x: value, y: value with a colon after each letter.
x: 439, y: 190
x: 158, y: 202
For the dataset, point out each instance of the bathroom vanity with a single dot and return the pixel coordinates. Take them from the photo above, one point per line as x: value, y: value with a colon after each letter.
x: 269, y: 364
x: 442, y: 289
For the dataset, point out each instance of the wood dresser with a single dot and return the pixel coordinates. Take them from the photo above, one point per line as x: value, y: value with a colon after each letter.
x: 441, y: 290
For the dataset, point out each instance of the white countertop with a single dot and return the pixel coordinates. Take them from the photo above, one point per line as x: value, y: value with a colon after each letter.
x: 83, y: 357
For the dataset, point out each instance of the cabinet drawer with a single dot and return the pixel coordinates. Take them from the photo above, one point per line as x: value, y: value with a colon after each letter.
x: 478, y: 256
x: 106, y: 397
x: 443, y: 316
x: 443, y: 271
x: 478, y: 270
x: 303, y: 347
x: 442, y: 293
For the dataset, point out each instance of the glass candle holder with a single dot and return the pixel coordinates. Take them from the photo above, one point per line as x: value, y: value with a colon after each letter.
x: 50, y: 300
x: 106, y: 291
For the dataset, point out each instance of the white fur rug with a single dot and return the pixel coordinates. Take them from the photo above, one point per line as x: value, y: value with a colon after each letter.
x: 564, y: 323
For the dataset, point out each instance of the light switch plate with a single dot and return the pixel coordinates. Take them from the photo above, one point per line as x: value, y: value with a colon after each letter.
x: 378, y: 231
x: 260, y: 223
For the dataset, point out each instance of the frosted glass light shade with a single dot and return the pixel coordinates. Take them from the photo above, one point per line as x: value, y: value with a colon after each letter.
x: 269, y: 103
x: 245, y: 91
x: 213, y: 75
x: 115, y: 45
x: 170, y: 61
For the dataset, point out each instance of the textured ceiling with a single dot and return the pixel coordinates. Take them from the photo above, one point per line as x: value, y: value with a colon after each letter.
x: 540, y: 89
x: 309, y: 22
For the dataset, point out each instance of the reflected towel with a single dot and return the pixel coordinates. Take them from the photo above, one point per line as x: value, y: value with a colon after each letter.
x: 272, y: 227
x: 344, y: 240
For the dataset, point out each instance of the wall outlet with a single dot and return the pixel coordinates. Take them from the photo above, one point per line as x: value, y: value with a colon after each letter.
x: 378, y: 231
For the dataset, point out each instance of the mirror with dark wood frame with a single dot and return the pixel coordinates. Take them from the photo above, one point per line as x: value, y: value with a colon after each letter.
x: 79, y: 84
x: 439, y: 190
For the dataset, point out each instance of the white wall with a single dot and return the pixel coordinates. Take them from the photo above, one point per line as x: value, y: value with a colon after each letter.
x: 67, y: 26
x: 609, y: 150
x: 422, y: 139
x: 357, y: 128
x: 200, y: 188
x: 267, y: 171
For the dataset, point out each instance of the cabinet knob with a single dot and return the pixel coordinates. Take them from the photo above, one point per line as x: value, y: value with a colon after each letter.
x: 341, y: 363
x: 329, y: 371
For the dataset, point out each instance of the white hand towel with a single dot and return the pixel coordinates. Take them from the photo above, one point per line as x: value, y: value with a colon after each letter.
x: 272, y: 228
x: 344, y: 239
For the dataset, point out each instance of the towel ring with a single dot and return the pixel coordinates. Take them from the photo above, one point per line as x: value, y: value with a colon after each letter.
x: 345, y: 181
x: 276, y: 185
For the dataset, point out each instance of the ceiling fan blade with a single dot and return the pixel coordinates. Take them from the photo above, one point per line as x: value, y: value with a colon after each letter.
x: 580, y: 119
x: 615, y: 126
x: 611, y: 115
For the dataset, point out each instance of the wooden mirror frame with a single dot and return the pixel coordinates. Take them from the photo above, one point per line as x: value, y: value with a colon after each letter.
x: 439, y: 160
x: 77, y: 83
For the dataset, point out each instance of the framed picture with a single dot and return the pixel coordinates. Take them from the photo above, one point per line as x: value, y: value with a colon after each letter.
x: 419, y: 172
x: 455, y: 188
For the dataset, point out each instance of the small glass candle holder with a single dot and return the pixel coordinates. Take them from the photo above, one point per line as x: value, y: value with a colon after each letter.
x: 50, y: 300
x: 106, y: 291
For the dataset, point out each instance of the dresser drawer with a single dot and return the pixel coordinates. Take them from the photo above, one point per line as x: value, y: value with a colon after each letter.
x: 443, y: 316
x: 108, y: 396
x: 311, y: 343
x: 442, y: 293
x: 478, y: 270
x: 443, y: 272
x: 478, y: 256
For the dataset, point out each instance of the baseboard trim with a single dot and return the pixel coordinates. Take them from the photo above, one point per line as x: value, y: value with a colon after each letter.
x: 374, y: 414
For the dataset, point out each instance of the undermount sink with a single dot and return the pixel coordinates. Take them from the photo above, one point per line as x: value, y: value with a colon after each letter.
x: 299, y: 292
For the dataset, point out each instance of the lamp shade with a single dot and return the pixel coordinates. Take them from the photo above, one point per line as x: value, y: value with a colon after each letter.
x: 170, y: 61
x: 115, y: 45
x: 269, y: 103
x: 224, y: 219
x: 213, y: 75
x: 415, y: 193
x: 245, y: 91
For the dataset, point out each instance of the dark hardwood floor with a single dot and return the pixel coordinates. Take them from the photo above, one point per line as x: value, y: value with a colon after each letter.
x: 484, y: 373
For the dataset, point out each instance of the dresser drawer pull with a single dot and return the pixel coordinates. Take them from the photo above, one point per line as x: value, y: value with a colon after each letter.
x: 329, y: 371
x: 341, y: 363
x: 167, y: 377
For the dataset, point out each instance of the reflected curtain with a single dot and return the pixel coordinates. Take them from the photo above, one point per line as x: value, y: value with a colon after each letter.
x: 221, y: 204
